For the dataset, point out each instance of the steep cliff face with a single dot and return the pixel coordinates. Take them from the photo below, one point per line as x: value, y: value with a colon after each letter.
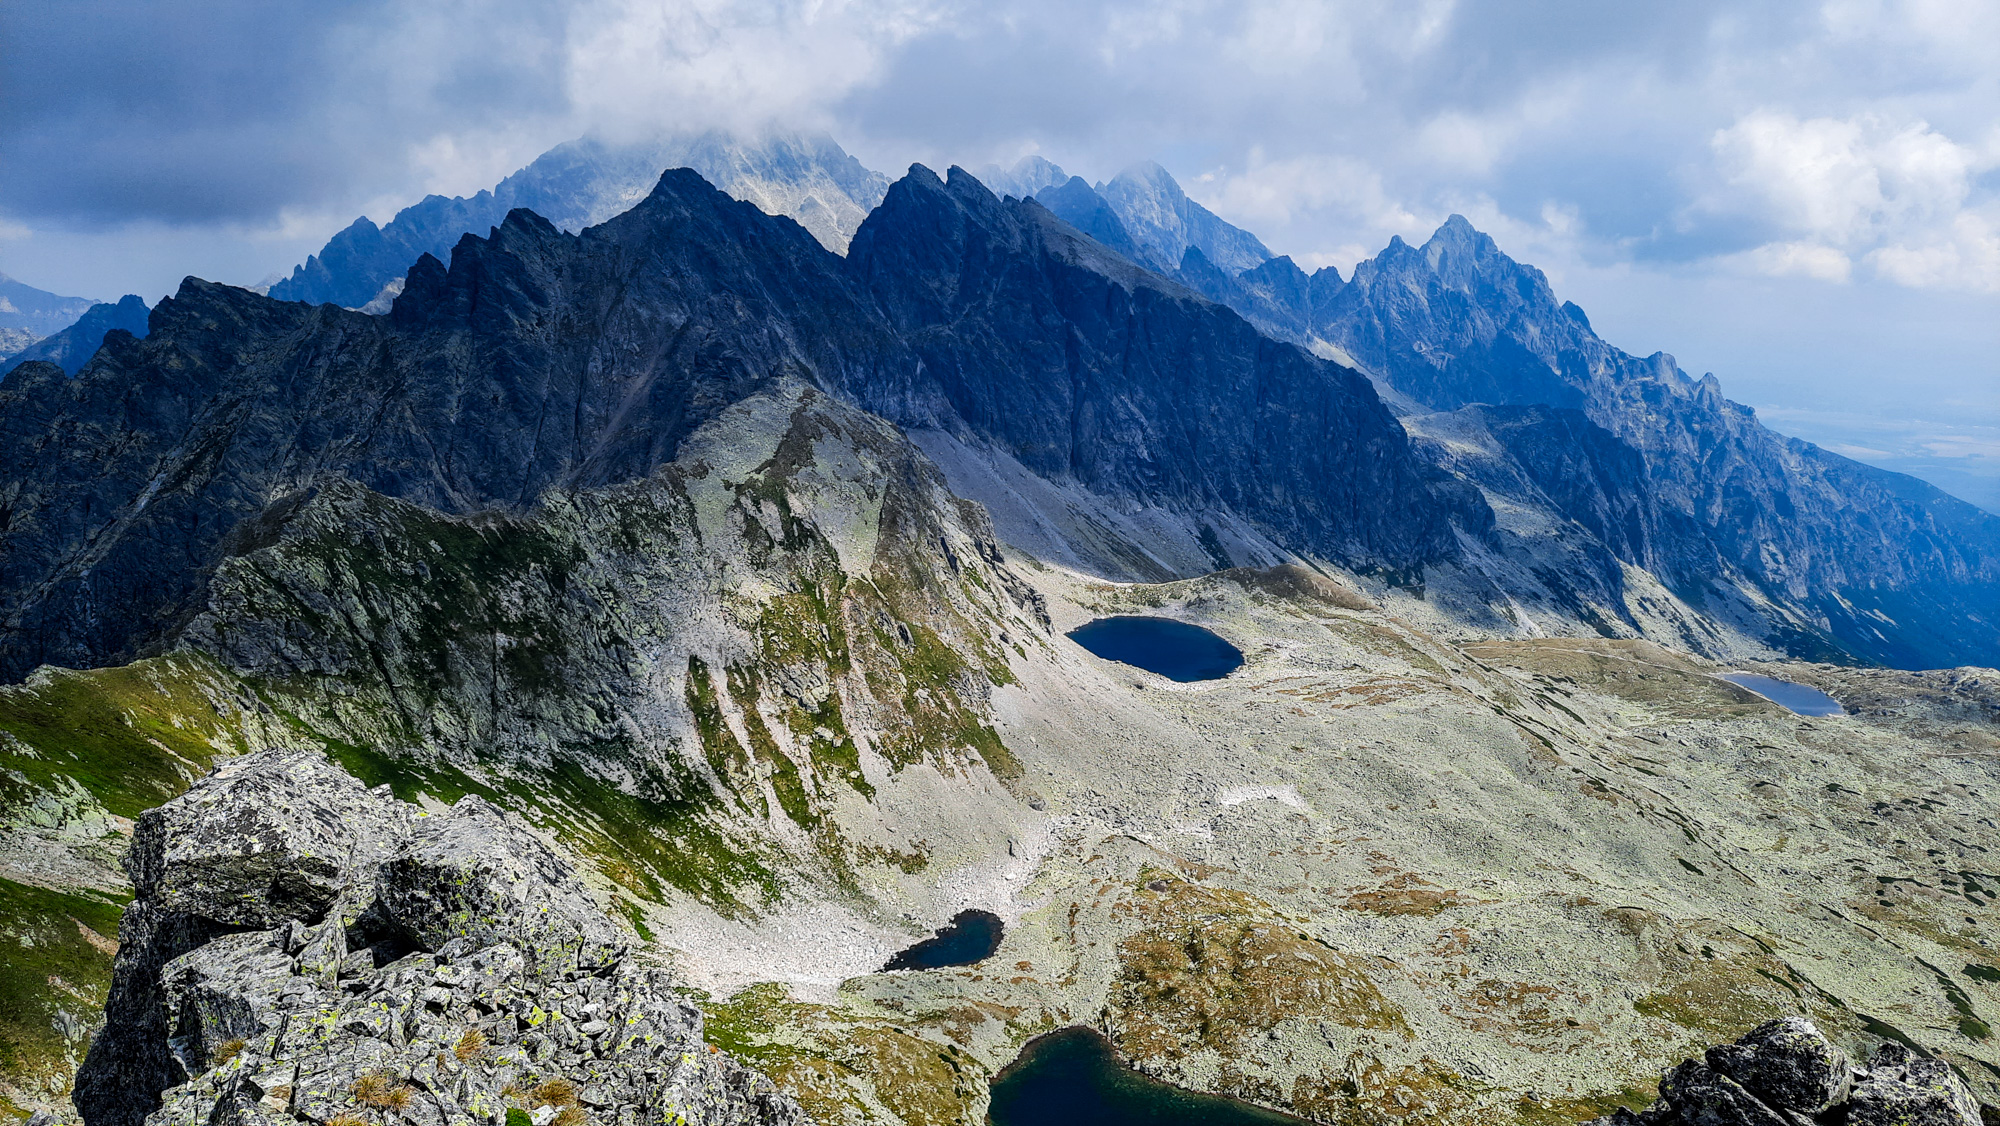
x: 1088, y: 369
x: 585, y: 182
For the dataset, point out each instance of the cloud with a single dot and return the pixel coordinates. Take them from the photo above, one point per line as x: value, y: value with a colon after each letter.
x: 1824, y: 141
x: 1895, y: 193
x: 635, y: 66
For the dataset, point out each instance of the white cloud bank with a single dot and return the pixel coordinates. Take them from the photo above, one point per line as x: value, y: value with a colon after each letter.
x: 1895, y: 197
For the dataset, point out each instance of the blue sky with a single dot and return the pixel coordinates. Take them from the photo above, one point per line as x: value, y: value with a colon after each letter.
x: 1803, y: 198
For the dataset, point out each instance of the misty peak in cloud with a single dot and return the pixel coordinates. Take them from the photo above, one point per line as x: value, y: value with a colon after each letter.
x: 807, y: 177
x: 1029, y: 176
x: 1165, y: 222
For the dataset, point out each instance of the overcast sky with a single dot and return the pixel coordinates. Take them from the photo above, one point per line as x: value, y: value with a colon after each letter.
x: 1801, y: 197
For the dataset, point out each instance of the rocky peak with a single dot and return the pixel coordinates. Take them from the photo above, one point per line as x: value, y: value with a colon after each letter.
x: 301, y: 948
x: 582, y: 183
x: 1092, y: 371
x: 1164, y: 222
x: 1075, y: 202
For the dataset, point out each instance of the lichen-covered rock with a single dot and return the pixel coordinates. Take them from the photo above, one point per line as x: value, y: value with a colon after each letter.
x: 444, y: 970
x: 1787, y: 1073
x: 474, y: 876
x: 1901, y: 1088
x: 1789, y: 1064
x: 261, y: 842
x: 1702, y: 1096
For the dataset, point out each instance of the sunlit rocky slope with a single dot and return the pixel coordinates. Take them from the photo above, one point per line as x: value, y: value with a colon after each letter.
x: 739, y: 572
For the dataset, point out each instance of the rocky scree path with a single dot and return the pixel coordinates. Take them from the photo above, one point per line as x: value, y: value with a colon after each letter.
x: 1787, y: 1073
x: 302, y: 949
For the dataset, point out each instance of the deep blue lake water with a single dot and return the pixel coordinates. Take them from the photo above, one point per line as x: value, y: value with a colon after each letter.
x: 1795, y: 698
x: 971, y: 936
x: 1072, y: 1077
x: 1175, y: 650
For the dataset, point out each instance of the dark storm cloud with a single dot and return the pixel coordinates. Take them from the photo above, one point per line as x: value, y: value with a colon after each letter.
x: 191, y: 113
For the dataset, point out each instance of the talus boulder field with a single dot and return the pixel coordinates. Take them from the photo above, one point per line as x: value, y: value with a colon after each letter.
x: 1787, y: 1072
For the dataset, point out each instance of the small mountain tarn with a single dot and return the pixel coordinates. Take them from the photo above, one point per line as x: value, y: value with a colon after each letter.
x: 1174, y: 649
x: 970, y: 937
x: 1795, y: 698
x: 1073, y: 1076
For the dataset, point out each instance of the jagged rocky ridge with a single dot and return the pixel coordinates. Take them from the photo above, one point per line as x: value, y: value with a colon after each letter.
x: 302, y: 949
x: 1787, y: 1073
x: 584, y: 182
x: 1836, y: 557
x: 541, y: 359
x: 1766, y: 537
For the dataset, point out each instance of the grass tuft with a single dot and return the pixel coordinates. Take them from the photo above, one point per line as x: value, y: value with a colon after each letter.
x: 470, y: 1046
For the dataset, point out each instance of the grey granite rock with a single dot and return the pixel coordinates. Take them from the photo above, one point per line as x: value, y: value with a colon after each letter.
x: 440, y: 970
x: 1902, y: 1088
x: 473, y: 875
x: 1789, y: 1064
x: 1702, y: 1096
x: 261, y: 842
x: 1787, y: 1073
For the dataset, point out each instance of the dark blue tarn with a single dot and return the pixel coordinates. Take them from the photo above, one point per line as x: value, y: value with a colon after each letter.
x: 972, y: 936
x: 1072, y: 1077
x: 1175, y: 650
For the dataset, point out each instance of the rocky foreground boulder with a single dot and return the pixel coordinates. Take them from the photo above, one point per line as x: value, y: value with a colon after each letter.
x: 1787, y: 1073
x: 303, y: 949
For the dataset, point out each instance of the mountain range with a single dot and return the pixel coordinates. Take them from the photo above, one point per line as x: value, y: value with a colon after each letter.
x: 585, y: 182
x: 728, y: 552
x: 73, y: 346
x: 28, y: 314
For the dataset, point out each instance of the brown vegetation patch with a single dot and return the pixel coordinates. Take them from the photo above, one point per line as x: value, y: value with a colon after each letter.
x: 1406, y: 894
x: 1639, y: 671
x: 1209, y: 968
x: 1365, y: 1091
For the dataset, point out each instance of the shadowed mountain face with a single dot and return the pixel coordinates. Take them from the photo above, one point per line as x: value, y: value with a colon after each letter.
x: 1090, y: 370
x: 585, y: 182
x: 541, y: 359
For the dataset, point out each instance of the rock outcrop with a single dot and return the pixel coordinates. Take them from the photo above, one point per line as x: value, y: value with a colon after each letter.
x: 1787, y: 1073
x: 302, y: 949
